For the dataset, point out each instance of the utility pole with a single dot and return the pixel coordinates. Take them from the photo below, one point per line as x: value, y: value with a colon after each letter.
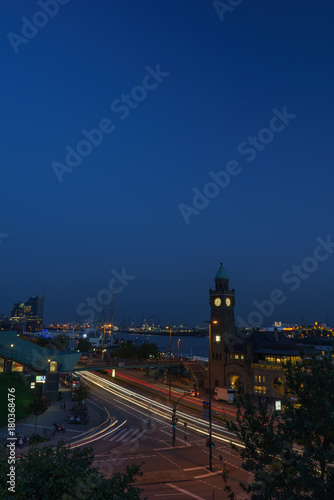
x: 174, y: 419
x: 112, y: 316
x: 210, y: 412
x: 170, y: 363
x: 210, y: 398
x: 103, y: 323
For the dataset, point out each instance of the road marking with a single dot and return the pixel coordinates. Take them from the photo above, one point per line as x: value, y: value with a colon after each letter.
x: 169, y: 434
x: 194, y: 468
x: 209, y: 474
x: 171, y: 461
x: 137, y: 437
x: 120, y: 438
x: 116, y: 435
x: 170, y: 448
x: 209, y: 484
x: 185, y: 491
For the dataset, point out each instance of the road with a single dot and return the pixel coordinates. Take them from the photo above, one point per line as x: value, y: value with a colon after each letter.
x: 141, y: 432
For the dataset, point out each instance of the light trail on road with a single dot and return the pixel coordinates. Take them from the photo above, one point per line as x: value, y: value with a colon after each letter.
x: 158, y: 409
x: 130, y: 378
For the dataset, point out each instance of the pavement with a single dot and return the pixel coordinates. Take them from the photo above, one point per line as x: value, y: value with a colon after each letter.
x: 55, y: 414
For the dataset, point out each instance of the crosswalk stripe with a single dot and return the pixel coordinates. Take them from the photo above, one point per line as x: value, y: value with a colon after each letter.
x: 137, y: 437
x: 120, y: 438
x: 132, y: 434
x: 117, y: 435
x: 128, y: 435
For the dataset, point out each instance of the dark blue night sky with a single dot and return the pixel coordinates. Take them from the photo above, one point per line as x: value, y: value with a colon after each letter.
x: 215, y: 144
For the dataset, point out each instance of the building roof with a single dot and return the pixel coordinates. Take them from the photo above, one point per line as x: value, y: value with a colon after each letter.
x: 221, y: 274
x: 270, y: 343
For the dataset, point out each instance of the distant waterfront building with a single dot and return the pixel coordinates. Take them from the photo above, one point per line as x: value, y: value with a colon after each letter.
x: 29, y: 314
x: 249, y: 361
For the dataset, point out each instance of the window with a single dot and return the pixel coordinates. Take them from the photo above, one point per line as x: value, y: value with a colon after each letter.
x: 242, y: 356
x: 260, y: 378
x: 264, y: 379
x: 218, y: 338
x: 255, y: 378
x: 236, y: 356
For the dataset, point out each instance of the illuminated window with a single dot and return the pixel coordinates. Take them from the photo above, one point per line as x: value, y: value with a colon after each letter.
x: 218, y: 338
x: 255, y: 378
x: 242, y: 356
x: 264, y: 379
x: 259, y: 378
x: 236, y: 356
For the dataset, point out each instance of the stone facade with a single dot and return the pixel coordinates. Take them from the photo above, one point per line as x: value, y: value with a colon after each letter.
x: 247, y: 361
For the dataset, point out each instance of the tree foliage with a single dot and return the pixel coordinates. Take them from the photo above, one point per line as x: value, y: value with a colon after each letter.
x: 290, y: 456
x: 148, y: 350
x: 126, y: 350
x: 61, y: 341
x: 84, y: 345
x: 130, y: 350
x: 81, y: 393
x: 37, y: 407
x: 47, y: 473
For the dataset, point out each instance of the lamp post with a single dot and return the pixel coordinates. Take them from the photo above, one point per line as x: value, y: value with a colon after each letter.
x: 210, y: 399
x: 174, y: 419
x: 178, y: 358
x: 170, y: 362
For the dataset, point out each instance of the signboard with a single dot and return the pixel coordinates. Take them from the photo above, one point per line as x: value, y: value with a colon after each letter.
x: 205, y: 414
x: 278, y: 405
x: 40, y: 378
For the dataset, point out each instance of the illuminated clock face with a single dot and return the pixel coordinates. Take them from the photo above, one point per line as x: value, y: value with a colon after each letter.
x: 217, y: 301
x: 228, y: 302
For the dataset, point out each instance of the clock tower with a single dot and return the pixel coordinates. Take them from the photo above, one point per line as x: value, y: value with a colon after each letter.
x: 222, y: 301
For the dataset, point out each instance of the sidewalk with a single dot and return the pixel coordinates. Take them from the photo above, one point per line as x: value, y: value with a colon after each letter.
x: 56, y: 415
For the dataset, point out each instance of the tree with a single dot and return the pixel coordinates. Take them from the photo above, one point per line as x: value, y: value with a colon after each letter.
x: 126, y: 350
x: 37, y: 407
x: 61, y: 341
x: 146, y: 351
x: 290, y: 456
x: 46, y: 473
x: 84, y: 345
x: 81, y: 393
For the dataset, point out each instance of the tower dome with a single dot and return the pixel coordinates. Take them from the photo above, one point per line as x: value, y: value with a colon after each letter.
x: 221, y: 274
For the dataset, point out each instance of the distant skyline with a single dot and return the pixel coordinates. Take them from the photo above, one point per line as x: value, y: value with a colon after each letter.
x: 144, y: 143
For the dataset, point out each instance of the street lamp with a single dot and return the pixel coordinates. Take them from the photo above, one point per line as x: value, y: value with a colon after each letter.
x: 178, y: 358
x: 174, y: 419
x: 210, y: 411
x: 170, y: 362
